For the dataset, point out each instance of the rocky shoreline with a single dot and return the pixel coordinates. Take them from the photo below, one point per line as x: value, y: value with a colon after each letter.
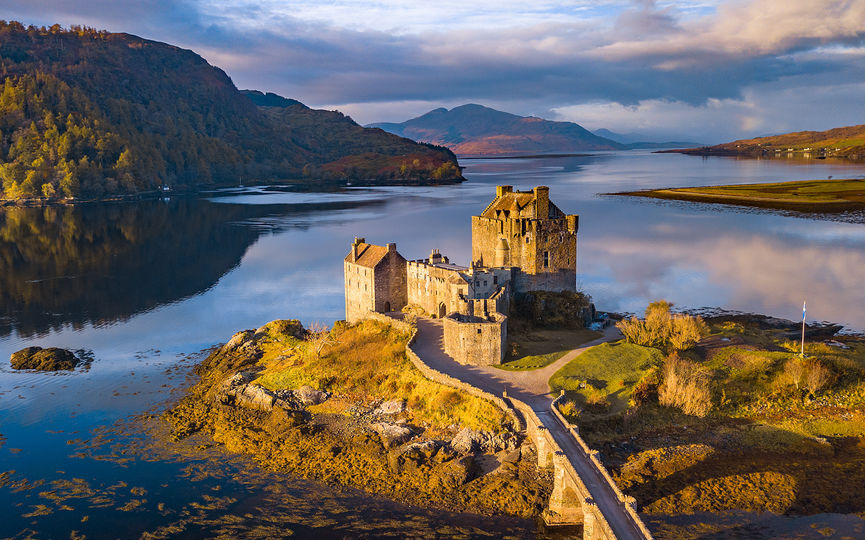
x: 365, y: 442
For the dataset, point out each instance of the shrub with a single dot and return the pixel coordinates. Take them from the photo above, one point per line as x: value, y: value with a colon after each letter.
x: 663, y: 330
x: 686, y: 386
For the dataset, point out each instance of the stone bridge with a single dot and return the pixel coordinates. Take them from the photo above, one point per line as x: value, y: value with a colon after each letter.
x: 583, y: 491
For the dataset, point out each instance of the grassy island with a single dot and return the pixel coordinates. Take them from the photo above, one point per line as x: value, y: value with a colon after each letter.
x: 823, y: 196
x: 704, y: 430
x: 346, y: 407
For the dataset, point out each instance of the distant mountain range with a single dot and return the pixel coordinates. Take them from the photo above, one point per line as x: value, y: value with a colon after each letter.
x: 475, y: 130
x: 636, y: 140
x: 844, y: 142
x: 89, y: 114
x: 481, y: 131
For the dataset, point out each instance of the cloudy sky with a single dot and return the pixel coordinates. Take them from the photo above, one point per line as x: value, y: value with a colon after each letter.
x: 706, y: 70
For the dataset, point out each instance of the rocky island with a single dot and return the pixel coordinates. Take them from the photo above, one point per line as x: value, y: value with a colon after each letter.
x: 345, y: 406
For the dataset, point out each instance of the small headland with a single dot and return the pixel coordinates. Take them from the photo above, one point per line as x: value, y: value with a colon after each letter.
x: 814, y: 196
x: 711, y: 422
x: 345, y: 406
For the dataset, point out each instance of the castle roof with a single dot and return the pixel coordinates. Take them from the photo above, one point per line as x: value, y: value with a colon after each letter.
x: 368, y: 255
x: 517, y: 204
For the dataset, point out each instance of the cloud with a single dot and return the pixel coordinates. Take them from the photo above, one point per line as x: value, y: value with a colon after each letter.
x: 549, y: 55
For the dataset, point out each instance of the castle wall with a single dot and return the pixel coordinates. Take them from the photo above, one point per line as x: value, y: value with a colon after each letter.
x: 390, y: 286
x: 359, y: 291
x: 475, y: 341
x: 431, y: 286
x: 374, y: 284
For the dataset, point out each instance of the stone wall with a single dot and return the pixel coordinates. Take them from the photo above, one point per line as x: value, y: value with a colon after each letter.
x: 432, y: 287
x: 443, y: 378
x: 475, y: 341
x: 359, y: 291
x: 390, y: 282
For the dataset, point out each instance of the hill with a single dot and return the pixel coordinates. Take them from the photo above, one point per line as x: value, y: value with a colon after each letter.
x: 636, y: 140
x: 844, y: 142
x: 477, y: 130
x: 89, y: 114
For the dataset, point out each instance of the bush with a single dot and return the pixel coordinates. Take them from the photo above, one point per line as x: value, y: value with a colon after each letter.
x: 663, y: 330
x: 686, y: 386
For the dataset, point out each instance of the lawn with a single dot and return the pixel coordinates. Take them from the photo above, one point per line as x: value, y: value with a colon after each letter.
x: 539, y: 348
x: 606, y: 372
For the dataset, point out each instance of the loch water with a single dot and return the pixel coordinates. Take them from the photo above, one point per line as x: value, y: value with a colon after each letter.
x: 145, y: 286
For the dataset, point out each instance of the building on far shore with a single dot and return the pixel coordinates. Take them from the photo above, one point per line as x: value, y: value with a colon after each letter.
x: 521, y: 242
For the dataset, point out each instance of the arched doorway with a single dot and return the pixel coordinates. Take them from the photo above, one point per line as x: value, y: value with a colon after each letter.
x: 442, y: 310
x: 387, y: 307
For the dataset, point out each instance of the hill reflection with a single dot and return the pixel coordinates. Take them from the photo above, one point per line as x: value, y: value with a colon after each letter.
x: 100, y: 264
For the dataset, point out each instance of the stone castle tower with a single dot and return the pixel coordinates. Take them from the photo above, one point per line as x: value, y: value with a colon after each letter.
x: 521, y: 242
x: 523, y: 229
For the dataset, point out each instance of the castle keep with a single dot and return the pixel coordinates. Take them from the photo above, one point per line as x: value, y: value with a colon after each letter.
x: 521, y: 242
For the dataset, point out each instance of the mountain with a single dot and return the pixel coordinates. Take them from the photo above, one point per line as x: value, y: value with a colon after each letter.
x: 844, y: 142
x: 89, y: 114
x: 477, y: 130
x: 636, y: 140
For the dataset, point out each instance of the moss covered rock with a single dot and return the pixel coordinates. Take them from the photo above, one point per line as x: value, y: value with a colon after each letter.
x: 50, y: 359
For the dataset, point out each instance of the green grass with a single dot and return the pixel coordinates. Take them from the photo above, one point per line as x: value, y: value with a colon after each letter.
x: 539, y: 348
x: 608, y: 370
x: 809, y: 195
x: 535, y: 361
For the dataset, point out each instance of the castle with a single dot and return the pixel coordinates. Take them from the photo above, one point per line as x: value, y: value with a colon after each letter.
x: 521, y: 242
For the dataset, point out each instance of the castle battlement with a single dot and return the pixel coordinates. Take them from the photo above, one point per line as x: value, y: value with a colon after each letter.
x: 521, y: 242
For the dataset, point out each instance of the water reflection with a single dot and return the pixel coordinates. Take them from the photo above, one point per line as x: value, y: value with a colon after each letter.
x: 100, y: 264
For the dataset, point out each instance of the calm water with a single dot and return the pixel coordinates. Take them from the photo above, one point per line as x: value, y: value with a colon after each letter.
x: 145, y: 285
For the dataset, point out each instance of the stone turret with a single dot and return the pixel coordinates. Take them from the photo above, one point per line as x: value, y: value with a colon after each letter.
x: 503, y: 254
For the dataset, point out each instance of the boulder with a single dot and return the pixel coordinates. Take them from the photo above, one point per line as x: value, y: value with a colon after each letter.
x: 469, y: 440
x: 289, y: 327
x: 394, y: 406
x: 420, y: 451
x: 457, y: 472
x: 50, y: 359
x: 310, y: 396
x: 237, y: 340
x: 392, y: 434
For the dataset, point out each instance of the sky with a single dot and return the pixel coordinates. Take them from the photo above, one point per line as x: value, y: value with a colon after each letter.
x: 700, y: 70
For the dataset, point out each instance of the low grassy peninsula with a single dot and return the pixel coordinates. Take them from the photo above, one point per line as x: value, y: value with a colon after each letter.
x: 710, y: 422
x: 346, y: 407
x: 819, y: 196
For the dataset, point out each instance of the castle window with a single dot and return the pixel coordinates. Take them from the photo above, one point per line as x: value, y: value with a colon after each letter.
x: 546, y: 259
x: 495, y: 280
x: 479, y: 330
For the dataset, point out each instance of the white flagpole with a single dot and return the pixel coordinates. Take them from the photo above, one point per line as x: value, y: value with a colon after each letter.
x: 802, y: 353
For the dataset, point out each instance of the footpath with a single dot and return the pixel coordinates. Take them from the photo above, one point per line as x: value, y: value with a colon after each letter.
x: 532, y: 388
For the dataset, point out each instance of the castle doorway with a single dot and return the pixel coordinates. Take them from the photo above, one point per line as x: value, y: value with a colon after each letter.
x: 442, y: 310
x: 387, y: 307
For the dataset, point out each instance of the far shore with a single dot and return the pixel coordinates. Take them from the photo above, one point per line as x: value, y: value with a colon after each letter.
x: 815, y: 196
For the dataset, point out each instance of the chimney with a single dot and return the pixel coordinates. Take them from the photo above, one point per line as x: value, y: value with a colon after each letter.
x: 354, y: 248
x: 391, y: 247
x: 573, y: 223
x: 435, y: 257
x: 542, y: 202
x: 501, y: 190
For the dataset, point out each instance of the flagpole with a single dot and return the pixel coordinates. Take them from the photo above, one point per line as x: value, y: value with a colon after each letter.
x: 802, y: 353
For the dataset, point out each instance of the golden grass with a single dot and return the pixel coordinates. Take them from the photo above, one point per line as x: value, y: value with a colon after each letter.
x: 367, y: 362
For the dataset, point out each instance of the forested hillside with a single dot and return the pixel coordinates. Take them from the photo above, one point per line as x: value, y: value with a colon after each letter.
x: 90, y: 114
